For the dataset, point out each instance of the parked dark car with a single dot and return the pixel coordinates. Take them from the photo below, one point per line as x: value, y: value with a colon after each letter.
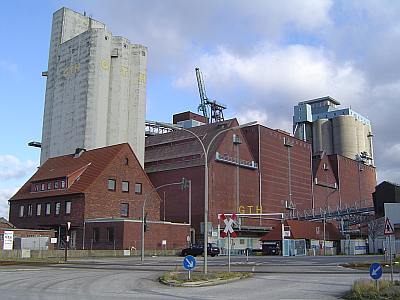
x: 196, y: 249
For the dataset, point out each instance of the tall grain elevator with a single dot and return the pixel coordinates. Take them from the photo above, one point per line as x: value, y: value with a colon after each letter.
x: 95, y: 90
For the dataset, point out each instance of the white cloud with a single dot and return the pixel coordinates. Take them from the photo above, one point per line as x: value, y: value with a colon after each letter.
x: 5, y: 195
x: 12, y: 168
x: 271, y: 79
x: 252, y: 115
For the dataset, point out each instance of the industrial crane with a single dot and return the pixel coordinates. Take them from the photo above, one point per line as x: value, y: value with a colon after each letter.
x: 211, y: 109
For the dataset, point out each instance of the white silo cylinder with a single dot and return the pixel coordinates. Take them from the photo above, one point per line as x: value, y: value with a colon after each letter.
x: 345, y: 136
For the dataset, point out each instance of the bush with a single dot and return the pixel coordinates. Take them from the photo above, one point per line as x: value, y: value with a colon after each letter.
x: 367, y: 290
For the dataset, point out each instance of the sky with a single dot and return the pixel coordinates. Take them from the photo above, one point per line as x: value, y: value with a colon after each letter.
x: 259, y: 57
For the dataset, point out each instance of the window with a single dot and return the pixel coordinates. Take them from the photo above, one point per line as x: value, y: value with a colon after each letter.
x: 96, y: 234
x: 48, y: 208
x: 126, y: 161
x: 111, y: 184
x: 29, y: 210
x: 124, y: 209
x: 21, y: 211
x: 110, y: 234
x: 63, y: 184
x: 56, y: 185
x: 36, y: 188
x: 138, y: 188
x: 38, y: 209
x: 125, y: 186
x: 42, y: 187
x: 49, y: 185
x: 58, y: 207
x: 68, y: 207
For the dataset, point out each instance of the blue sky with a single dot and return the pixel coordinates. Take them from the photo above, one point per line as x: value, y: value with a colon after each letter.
x: 259, y: 57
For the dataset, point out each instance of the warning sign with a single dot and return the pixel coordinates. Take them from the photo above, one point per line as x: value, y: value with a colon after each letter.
x: 389, y: 229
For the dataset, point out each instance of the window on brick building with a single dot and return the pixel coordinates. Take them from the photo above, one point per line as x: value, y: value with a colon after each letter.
x: 38, y: 209
x: 138, y: 188
x: 68, y: 207
x: 110, y: 234
x: 42, y: 187
x: 125, y: 186
x: 58, y: 208
x: 63, y: 184
x: 56, y: 185
x: 111, y: 184
x: 29, y: 213
x: 49, y: 185
x: 21, y: 211
x: 124, y: 209
x: 96, y: 234
x: 48, y: 208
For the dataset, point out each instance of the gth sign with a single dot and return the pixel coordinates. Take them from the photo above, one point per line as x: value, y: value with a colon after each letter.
x: 250, y: 209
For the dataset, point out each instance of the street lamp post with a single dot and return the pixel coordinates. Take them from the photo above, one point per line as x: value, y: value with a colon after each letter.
x: 143, y: 214
x: 205, y: 152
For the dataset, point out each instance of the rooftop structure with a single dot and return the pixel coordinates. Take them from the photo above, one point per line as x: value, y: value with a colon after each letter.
x: 96, y: 88
x: 333, y: 130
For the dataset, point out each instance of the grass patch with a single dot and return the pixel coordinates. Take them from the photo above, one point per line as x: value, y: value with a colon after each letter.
x: 182, y: 277
x: 38, y: 261
x: 367, y: 290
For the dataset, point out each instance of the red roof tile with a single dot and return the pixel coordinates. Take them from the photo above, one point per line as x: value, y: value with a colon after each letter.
x: 88, y: 166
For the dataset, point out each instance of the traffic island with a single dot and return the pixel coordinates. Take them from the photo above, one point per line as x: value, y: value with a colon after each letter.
x: 197, y: 279
x: 369, y: 289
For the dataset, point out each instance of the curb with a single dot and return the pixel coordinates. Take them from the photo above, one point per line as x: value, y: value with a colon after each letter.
x: 212, y: 282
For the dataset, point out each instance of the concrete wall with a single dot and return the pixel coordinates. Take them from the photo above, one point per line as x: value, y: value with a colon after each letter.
x: 96, y: 88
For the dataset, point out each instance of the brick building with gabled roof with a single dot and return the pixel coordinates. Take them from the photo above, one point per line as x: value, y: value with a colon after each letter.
x: 233, y: 173
x: 101, y: 193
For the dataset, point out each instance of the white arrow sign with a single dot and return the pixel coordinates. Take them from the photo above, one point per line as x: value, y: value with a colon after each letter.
x: 375, y: 271
x: 190, y: 263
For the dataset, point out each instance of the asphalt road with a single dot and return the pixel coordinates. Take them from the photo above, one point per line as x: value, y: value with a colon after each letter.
x: 123, y: 278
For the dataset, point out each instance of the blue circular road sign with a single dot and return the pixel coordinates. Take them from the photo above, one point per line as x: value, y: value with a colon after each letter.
x: 189, y: 262
x: 375, y: 271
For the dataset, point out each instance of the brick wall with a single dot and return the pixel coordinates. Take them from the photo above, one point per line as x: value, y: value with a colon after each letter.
x: 128, y: 235
x: 273, y: 158
x: 102, y: 203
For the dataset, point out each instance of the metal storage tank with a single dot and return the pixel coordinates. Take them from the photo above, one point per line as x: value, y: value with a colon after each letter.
x: 317, y: 135
x: 322, y: 136
x: 344, y: 136
x: 361, y: 137
x: 327, y: 136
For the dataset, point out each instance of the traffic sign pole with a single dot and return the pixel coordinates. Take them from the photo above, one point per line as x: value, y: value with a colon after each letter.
x: 229, y: 252
x: 391, y: 258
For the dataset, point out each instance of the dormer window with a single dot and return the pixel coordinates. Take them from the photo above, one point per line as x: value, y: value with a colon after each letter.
x: 56, y: 185
x: 42, y: 187
x: 63, y: 184
x: 49, y: 185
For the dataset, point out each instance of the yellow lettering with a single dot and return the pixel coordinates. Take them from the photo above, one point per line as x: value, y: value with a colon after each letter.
x: 142, y: 78
x: 250, y: 207
x: 124, y: 71
x: 258, y: 209
x: 241, y: 209
x: 105, y: 65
